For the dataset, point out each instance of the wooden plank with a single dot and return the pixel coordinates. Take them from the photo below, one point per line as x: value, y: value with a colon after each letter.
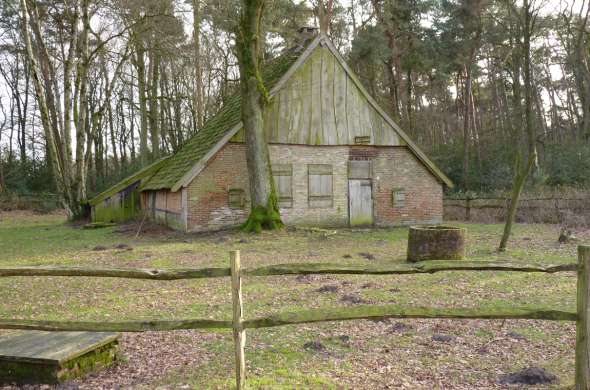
x: 366, y: 126
x: 128, y: 273
x: 284, y: 117
x: 288, y: 269
x: 424, y: 267
x: 316, y: 130
x: 373, y: 312
x: 305, y: 89
x: 238, y: 320
x: 308, y: 316
x: 360, y: 202
x: 340, y: 104
x: 51, y: 347
x: 353, y: 112
x: 296, y: 107
x: 583, y: 323
x: 118, y: 326
x: 327, y: 79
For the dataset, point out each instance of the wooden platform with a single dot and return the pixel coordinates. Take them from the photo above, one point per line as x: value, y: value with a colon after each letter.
x: 52, y: 357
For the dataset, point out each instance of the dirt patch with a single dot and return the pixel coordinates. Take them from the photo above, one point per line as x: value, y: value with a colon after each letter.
x: 315, y: 346
x: 367, y: 256
x: 529, y: 376
x: 99, y: 248
x: 515, y: 336
x: 353, y: 299
x: 443, y: 338
x: 399, y: 327
x: 328, y: 288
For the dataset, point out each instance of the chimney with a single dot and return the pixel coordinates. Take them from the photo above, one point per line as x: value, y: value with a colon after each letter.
x: 304, y: 35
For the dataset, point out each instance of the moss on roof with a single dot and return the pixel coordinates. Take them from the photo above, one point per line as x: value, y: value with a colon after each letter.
x: 143, y: 174
x: 214, y: 129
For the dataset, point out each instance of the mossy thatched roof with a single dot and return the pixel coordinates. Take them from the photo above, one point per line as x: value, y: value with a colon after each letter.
x: 215, y: 128
x: 143, y: 175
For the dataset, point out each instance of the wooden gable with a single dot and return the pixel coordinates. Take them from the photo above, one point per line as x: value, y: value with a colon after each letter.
x: 320, y: 104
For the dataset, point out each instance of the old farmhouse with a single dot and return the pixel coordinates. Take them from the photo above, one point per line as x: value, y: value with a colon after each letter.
x: 337, y: 158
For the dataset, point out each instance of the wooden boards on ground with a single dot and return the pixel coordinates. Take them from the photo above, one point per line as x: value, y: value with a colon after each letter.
x: 52, y: 357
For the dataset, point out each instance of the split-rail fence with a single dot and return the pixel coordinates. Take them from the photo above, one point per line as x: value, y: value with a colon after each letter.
x: 239, y: 324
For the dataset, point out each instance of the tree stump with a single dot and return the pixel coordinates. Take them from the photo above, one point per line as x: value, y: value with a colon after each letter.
x: 436, y: 243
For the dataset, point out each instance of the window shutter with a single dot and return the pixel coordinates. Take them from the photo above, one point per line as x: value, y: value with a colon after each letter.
x: 399, y: 198
x: 237, y: 198
x: 283, y: 177
x: 320, y: 186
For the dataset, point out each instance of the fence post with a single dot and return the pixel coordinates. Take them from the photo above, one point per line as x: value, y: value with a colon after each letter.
x: 238, y: 329
x: 583, y: 324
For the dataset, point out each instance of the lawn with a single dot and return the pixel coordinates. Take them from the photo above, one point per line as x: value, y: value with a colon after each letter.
x: 353, y: 354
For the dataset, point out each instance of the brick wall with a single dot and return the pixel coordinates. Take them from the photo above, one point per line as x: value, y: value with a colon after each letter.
x: 398, y: 169
x: 393, y: 168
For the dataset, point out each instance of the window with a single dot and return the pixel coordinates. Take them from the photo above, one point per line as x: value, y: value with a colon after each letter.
x: 359, y: 169
x: 399, y: 198
x: 362, y: 140
x: 283, y: 177
x: 320, y: 185
x: 237, y: 199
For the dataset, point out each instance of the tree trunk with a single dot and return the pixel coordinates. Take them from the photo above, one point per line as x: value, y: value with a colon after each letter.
x: 141, y: 89
x: 264, y: 212
x: 523, y: 172
x: 199, y: 109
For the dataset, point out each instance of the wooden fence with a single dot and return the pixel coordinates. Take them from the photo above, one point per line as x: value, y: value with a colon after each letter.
x: 567, y: 211
x: 239, y: 324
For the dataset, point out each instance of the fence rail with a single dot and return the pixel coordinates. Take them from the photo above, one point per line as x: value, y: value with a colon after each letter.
x: 424, y: 267
x: 239, y: 324
x: 574, y: 211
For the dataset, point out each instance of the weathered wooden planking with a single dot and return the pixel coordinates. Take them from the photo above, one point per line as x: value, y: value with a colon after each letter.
x: 321, y: 105
x: 340, y: 104
x: 327, y: 93
x: 51, y: 347
x: 52, y: 357
x: 316, y: 130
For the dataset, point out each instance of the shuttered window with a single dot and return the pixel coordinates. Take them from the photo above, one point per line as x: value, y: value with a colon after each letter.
x: 283, y: 177
x: 320, y: 185
x: 399, y: 198
x: 237, y: 198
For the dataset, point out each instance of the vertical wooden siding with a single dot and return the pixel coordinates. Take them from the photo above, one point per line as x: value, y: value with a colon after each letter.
x: 321, y: 105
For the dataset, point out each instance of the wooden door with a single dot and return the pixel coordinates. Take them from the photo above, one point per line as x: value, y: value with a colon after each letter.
x: 360, y: 202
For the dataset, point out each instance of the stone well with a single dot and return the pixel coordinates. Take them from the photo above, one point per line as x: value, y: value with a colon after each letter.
x: 440, y: 242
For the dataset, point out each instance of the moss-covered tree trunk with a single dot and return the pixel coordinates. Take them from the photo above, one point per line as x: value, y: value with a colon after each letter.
x: 264, y: 211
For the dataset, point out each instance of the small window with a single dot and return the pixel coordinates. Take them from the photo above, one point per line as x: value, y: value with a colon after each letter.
x: 399, y: 198
x: 283, y: 177
x: 320, y: 186
x: 237, y: 199
x: 362, y: 140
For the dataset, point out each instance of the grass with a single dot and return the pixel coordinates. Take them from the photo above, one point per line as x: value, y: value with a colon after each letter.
x: 372, y: 355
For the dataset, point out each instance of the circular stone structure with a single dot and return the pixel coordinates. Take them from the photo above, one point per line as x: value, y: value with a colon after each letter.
x: 438, y: 242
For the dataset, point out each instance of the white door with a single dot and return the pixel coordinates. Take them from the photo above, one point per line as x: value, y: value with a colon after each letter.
x: 360, y: 202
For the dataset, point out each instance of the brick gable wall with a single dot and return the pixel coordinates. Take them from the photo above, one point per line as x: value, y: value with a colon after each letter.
x: 394, y: 168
